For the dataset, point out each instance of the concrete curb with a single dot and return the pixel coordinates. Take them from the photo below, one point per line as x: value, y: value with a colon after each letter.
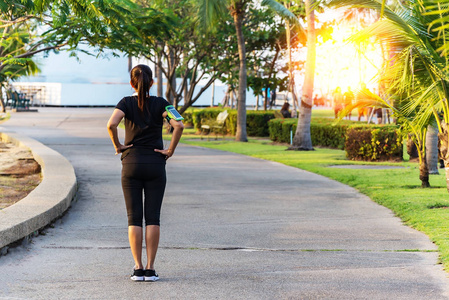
x: 48, y: 201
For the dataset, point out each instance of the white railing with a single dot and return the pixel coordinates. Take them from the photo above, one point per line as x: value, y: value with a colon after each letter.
x: 40, y: 93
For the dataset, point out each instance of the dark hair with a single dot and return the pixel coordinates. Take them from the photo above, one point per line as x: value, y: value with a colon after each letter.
x: 141, y: 80
x: 285, y: 106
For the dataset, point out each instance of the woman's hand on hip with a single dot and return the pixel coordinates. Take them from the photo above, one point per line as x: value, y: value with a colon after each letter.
x: 121, y: 148
x: 167, y: 152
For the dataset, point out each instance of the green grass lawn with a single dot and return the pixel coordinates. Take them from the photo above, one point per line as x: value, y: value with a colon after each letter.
x: 323, y: 113
x: 4, y: 117
x: 398, y: 189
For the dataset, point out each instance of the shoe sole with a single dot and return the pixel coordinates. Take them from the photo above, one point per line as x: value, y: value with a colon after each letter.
x: 152, y: 278
x: 137, y: 278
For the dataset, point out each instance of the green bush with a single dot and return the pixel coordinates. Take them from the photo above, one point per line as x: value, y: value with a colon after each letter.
x: 361, y: 142
x: 373, y: 143
x: 279, y: 129
x: 204, y: 114
x: 325, y: 134
x: 188, y: 117
x: 322, y: 130
x: 256, y: 121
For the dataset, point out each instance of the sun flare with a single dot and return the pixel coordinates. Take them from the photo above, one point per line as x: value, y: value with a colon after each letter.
x: 342, y: 63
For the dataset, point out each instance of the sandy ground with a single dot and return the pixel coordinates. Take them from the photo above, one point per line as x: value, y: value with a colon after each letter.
x: 19, y: 173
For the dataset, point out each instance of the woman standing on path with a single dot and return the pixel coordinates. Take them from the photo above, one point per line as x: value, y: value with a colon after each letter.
x: 143, y: 164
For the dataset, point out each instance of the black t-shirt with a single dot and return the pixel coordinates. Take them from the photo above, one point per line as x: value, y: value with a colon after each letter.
x: 143, y: 129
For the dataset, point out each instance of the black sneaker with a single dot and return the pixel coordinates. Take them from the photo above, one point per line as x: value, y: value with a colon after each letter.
x: 138, y: 275
x: 150, y: 275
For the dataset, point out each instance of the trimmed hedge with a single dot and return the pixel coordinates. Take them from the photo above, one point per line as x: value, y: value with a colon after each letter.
x: 325, y: 134
x: 206, y: 114
x: 279, y: 129
x: 188, y: 117
x: 373, y: 143
x: 322, y: 131
x: 361, y: 142
x: 256, y: 121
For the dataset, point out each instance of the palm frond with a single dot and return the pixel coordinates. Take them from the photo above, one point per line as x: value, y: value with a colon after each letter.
x: 209, y: 12
x: 283, y: 12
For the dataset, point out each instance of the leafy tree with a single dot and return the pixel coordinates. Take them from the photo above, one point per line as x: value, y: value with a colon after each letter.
x: 11, y: 67
x: 17, y: 42
x: 171, y: 36
x: 30, y: 27
x: 265, y: 44
x: 212, y: 10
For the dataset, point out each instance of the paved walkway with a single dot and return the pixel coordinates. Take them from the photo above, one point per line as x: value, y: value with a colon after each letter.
x: 233, y: 227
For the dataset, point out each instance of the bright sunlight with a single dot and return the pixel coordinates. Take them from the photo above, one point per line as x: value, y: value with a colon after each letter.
x: 339, y: 63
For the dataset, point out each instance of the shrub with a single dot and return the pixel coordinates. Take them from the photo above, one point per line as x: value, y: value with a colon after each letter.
x: 206, y: 114
x: 188, y: 117
x: 279, y: 129
x: 322, y: 130
x: 256, y: 121
x: 373, y: 143
x: 325, y: 133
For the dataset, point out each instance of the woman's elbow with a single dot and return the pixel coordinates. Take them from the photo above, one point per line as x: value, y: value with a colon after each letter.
x: 179, y: 126
x: 111, y: 125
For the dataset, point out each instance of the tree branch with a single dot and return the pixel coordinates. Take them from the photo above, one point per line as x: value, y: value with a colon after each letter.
x: 28, y: 54
x: 7, y: 23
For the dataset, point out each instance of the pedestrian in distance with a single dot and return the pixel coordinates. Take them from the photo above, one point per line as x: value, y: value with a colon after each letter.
x: 363, y: 94
x: 348, y: 101
x: 338, y: 101
x: 285, y: 110
x: 143, y: 164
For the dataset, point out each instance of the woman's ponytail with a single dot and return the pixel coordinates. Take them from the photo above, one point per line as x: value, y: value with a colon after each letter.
x: 141, y: 79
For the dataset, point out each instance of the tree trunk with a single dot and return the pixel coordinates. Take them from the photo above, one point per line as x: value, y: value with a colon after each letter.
x: 444, y: 147
x: 432, y: 149
x: 295, y: 100
x: 265, y: 103
x: 2, y: 102
x: 171, y: 78
x: 225, y: 101
x: 423, y: 167
x: 186, y: 86
x: 213, y: 95
x: 290, y: 65
x: 238, y: 13
x: 302, y: 139
x: 160, y: 80
x: 155, y: 75
x: 173, y: 96
x: 130, y: 63
x: 424, y: 171
x: 265, y: 95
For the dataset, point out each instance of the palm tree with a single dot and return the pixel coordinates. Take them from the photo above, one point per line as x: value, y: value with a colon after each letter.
x: 283, y: 10
x: 213, y: 10
x: 417, y: 72
x: 302, y: 139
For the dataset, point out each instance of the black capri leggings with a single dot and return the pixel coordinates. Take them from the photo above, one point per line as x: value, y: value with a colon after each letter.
x: 149, y: 178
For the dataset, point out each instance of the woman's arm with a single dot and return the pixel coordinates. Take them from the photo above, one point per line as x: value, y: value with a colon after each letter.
x: 113, y: 122
x: 178, y: 127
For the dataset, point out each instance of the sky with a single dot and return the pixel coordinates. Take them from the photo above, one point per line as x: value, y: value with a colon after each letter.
x: 62, y: 68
